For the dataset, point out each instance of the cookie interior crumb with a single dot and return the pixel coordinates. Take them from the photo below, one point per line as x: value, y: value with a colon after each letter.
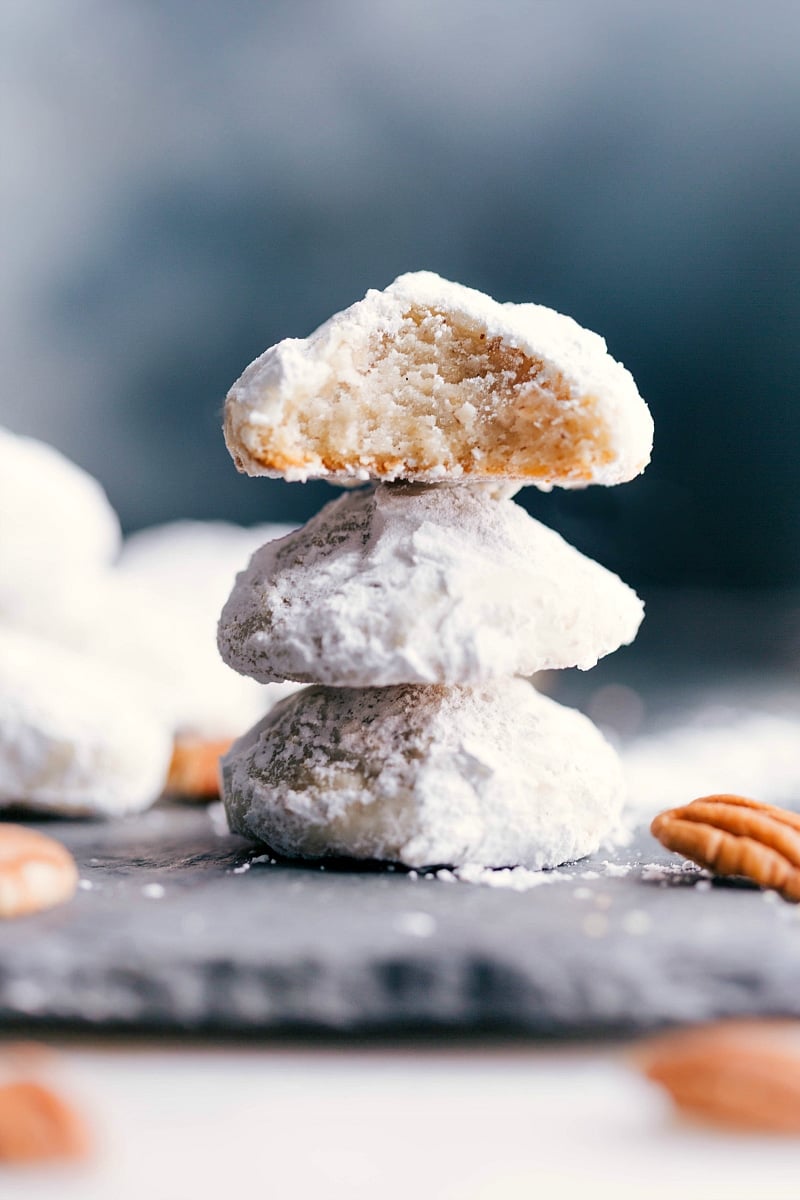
x: 440, y: 397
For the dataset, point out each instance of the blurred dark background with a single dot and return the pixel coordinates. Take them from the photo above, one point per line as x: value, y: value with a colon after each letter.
x: 188, y: 181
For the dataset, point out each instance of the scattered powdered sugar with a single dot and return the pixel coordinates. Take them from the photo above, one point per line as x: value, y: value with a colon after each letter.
x: 515, y: 879
x: 616, y: 870
x: 218, y: 819
x: 663, y: 872
x: 256, y: 861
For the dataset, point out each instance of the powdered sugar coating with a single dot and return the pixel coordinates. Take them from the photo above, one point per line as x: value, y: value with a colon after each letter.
x: 332, y: 365
x: 53, y: 515
x: 414, y: 584
x: 175, y: 578
x: 75, y: 738
x: 184, y: 558
x: 152, y: 616
x: 497, y: 775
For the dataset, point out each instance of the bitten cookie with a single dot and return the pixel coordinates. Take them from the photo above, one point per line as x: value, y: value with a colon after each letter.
x: 497, y: 775
x: 413, y: 584
x: 429, y: 380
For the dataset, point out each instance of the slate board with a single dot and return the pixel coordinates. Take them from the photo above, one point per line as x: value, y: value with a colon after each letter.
x: 278, y: 947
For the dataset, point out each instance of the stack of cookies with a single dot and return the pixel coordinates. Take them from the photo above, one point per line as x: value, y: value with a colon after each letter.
x: 418, y: 606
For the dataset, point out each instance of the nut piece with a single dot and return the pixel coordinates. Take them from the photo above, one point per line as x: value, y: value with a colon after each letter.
x: 194, y: 770
x: 36, y: 1125
x: 731, y: 835
x: 36, y: 871
x: 744, y: 1074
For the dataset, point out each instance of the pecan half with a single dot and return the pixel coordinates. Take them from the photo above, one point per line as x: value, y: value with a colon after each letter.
x: 36, y: 1124
x: 742, y: 1074
x: 36, y: 871
x: 731, y: 835
x: 194, y: 770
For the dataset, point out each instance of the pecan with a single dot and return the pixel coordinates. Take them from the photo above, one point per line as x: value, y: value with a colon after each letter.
x: 194, y: 770
x: 36, y: 871
x: 36, y: 1125
x: 743, y: 1074
x: 731, y: 835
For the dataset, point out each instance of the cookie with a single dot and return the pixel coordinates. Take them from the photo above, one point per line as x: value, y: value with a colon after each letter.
x: 152, y: 617
x: 75, y: 737
x: 54, y: 519
x: 408, y: 583
x: 429, y: 381
x: 496, y: 775
x: 176, y: 578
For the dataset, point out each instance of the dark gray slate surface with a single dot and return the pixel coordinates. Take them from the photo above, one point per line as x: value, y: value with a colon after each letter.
x: 283, y: 947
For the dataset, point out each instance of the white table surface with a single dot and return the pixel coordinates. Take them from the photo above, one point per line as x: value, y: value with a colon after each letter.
x: 184, y: 1122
